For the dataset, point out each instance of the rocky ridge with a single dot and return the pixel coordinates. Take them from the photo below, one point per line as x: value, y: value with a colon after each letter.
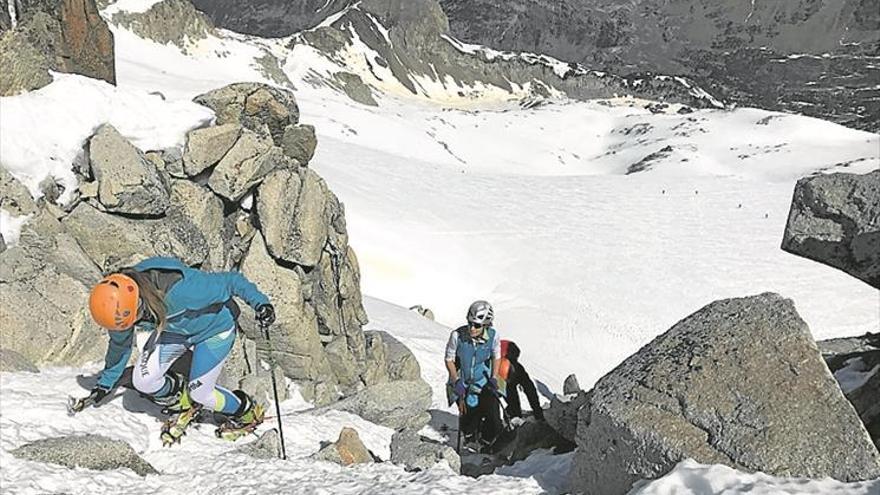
x: 812, y: 57
x: 238, y: 196
x: 740, y: 383
x: 405, y: 47
x: 63, y: 36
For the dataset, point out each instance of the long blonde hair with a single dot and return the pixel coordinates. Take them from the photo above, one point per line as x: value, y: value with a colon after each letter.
x: 153, y: 298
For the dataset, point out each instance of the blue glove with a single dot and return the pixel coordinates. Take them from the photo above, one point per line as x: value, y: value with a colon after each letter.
x: 460, y: 388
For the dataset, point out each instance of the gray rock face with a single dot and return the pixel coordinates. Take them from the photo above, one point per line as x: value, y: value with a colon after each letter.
x: 854, y: 362
x: 267, y: 447
x: 46, y: 277
x: 167, y: 22
x: 563, y: 413
x: 156, y: 204
x: 14, y: 197
x: 64, y: 36
x: 259, y: 107
x: 353, y: 86
x: 206, y: 147
x: 205, y: 211
x: 249, y: 160
x: 299, y: 142
x: 13, y: 361
x: 531, y: 436
x: 836, y: 351
x: 127, y: 181
x: 415, y: 47
x: 124, y: 242
x: 399, y: 361
x: 296, y: 345
x: 292, y: 208
x: 396, y: 405
x: 25, y: 68
x: 738, y: 50
x: 835, y: 220
x: 273, y: 19
x: 85, y: 451
x: 347, y: 450
x: 335, y: 294
x: 409, y: 449
x: 388, y: 360
x: 571, y: 385
x: 741, y: 383
x: 864, y: 396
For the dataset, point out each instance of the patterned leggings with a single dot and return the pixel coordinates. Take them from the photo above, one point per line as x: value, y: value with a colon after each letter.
x: 207, y: 362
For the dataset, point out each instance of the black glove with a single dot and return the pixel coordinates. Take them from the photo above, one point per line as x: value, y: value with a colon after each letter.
x: 265, y: 314
x: 97, y: 394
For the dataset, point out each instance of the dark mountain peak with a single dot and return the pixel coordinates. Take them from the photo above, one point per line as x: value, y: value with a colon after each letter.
x: 816, y: 57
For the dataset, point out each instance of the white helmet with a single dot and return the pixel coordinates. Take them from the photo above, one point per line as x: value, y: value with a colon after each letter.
x: 480, y: 313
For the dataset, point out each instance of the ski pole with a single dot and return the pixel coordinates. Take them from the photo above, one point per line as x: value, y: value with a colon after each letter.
x: 265, y: 329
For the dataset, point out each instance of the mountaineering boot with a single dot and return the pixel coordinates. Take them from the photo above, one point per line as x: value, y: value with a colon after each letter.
x: 177, y: 400
x: 181, y: 407
x: 244, y: 421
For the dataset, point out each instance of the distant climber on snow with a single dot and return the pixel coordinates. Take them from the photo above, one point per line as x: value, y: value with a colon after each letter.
x: 473, y: 357
x: 183, y: 309
x: 516, y: 377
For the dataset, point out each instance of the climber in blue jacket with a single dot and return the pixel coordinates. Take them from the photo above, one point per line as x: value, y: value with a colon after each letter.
x: 184, y: 309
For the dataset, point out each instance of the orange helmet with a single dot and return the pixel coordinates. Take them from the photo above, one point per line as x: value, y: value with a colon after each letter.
x: 114, y: 302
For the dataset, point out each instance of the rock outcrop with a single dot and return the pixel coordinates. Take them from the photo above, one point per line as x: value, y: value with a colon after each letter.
x: 411, y: 50
x: 388, y: 359
x: 416, y: 453
x: 167, y: 22
x: 397, y: 405
x: 756, y: 54
x: 13, y: 361
x: 741, y: 383
x: 345, y: 451
x: 262, y: 109
x: 64, y: 36
x: 835, y: 220
x: 188, y: 203
x: 46, y: 277
x: 855, y: 362
x: 268, y: 446
x: 128, y: 182
x: 85, y: 451
x: 564, y: 411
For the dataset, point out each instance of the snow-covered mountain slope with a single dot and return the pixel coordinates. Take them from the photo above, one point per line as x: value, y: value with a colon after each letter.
x: 450, y: 201
x: 532, y: 208
x: 32, y: 408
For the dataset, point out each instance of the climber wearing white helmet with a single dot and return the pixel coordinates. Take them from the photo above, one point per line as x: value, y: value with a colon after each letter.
x: 473, y: 355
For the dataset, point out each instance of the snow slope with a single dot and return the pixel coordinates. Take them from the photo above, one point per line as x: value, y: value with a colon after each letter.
x: 32, y: 407
x: 529, y: 208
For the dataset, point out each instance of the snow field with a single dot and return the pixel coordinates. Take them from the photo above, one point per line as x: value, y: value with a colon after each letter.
x: 526, y: 208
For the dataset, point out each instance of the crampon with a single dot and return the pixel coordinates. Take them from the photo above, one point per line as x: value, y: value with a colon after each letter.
x: 175, y: 427
x: 232, y: 430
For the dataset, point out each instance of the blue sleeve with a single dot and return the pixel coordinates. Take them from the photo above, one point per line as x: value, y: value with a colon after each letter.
x: 243, y: 288
x: 118, y: 352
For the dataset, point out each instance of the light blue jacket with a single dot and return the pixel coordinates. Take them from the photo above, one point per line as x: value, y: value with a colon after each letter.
x: 475, y: 361
x: 198, y: 308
